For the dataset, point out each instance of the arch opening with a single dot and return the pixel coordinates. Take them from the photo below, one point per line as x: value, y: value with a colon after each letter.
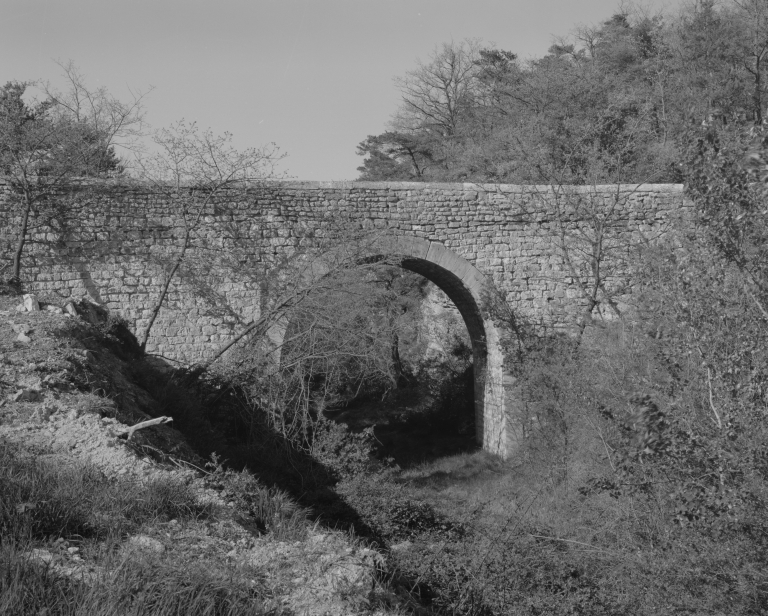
x: 458, y: 293
x: 468, y: 290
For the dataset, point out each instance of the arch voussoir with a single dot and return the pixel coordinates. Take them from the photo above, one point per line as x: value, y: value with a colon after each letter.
x: 469, y: 289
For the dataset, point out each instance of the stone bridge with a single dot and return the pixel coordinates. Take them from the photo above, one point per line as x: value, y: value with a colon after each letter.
x: 496, y: 250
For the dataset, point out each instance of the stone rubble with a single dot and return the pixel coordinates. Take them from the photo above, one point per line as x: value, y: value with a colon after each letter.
x: 30, y: 303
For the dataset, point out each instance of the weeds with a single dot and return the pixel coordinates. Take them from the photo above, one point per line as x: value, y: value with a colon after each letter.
x: 40, y: 500
x: 138, y: 586
x: 271, y: 510
x: 588, y: 519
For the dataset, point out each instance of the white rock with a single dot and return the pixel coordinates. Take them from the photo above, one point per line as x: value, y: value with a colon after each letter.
x: 23, y: 338
x: 30, y: 303
x: 53, y: 309
x: 70, y: 309
x: 142, y: 542
x: 40, y: 555
x: 43, y: 414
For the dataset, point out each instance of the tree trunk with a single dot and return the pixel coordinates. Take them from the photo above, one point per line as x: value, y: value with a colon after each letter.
x: 21, y: 240
x: 164, y: 292
x: 757, y: 96
x: 159, y: 304
x: 274, y: 315
x: 397, y: 363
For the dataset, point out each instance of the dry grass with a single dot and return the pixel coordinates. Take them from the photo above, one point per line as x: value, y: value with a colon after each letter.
x: 47, y: 507
x: 148, y: 585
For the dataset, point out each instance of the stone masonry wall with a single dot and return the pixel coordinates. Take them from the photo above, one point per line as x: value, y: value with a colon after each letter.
x: 116, y: 244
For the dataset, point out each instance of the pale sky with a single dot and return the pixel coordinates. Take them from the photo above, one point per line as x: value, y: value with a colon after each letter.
x: 313, y: 76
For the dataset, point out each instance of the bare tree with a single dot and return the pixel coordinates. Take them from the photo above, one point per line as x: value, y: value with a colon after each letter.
x: 287, y: 284
x: 192, y: 170
x: 49, y: 146
x: 436, y: 94
x: 752, y: 19
x: 118, y: 124
x: 589, y: 231
x: 338, y: 320
x: 588, y: 224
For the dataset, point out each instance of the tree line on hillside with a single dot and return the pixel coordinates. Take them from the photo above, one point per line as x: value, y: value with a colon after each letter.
x: 611, y: 103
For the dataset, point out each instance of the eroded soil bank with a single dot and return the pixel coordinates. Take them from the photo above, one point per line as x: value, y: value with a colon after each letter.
x: 71, y: 486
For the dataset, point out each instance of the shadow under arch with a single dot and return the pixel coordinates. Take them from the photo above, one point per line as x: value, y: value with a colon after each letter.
x: 481, y: 307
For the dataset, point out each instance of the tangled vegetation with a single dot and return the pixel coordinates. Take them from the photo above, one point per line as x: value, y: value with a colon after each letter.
x: 641, y: 484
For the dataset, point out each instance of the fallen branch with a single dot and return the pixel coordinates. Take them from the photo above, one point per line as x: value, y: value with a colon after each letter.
x: 712, y: 402
x: 145, y: 424
x: 758, y: 304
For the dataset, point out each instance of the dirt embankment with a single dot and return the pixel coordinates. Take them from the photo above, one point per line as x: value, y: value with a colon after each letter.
x: 67, y: 399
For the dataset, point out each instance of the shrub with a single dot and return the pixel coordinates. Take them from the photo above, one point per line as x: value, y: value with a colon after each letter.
x: 270, y: 509
x: 342, y: 451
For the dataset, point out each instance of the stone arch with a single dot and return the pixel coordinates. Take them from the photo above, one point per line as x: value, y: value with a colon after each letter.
x: 475, y: 297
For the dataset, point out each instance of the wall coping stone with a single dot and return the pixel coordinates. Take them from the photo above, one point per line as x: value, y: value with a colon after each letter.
x: 456, y: 186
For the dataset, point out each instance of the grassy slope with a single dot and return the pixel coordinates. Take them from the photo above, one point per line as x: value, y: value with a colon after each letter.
x: 92, y: 524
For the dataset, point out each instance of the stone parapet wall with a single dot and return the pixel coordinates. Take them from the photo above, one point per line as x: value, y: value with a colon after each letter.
x: 114, y: 245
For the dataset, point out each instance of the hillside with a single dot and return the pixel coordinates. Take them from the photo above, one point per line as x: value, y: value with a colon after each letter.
x: 95, y: 523
x: 630, y: 497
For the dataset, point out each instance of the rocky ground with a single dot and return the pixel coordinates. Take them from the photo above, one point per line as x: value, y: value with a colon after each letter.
x: 67, y: 398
